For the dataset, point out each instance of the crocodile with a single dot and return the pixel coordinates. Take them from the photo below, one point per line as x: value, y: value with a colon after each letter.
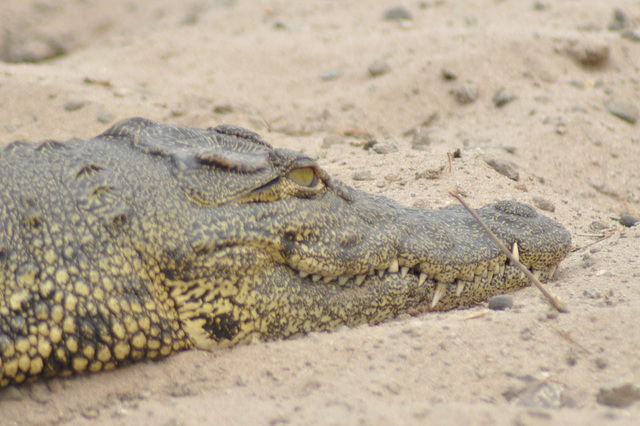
x: 152, y: 238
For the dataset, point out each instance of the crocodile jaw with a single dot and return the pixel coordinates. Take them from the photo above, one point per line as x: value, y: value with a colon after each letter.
x: 277, y: 293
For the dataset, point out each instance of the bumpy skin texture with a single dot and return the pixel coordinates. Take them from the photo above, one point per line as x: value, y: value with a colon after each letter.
x: 150, y: 239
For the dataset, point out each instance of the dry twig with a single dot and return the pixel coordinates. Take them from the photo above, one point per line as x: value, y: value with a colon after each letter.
x: 555, y: 302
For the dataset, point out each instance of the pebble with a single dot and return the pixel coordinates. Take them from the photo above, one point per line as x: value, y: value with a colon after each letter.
x: 106, y: 117
x: 90, y: 413
x: 526, y: 334
x: 385, y: 147
x: 363, y: 175
x: 330, y: 140
x: 421, y: 139
x: 31, y: 49
x: 632, y: 35
x: 330, y: 75
x: 619, y: 20
x: 448, y: 75
x: 620, y: 397
x: 601, y: 363
x: 393, y: 177
x: 589, y: 53
x: 628, y: 220
x: 623, y: 111
x: 430, y: 173
x: 500, y: 99
x: 504, y: 167
x: 223, y: 109
x: 466, y: 94
x: 501, y: 302
x: 74, y: 104
x: 397, y: 13
x: 571, y: 358
x: 543, y: 204
x: 378, y: 68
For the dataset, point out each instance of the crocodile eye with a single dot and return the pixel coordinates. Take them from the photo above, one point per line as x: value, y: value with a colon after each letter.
x: 303, y: 176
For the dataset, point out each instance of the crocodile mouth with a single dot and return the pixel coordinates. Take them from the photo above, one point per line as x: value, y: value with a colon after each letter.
x: 486, y: 278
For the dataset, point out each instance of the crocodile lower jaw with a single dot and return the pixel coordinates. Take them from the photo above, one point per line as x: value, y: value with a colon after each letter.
x: 482, y: 276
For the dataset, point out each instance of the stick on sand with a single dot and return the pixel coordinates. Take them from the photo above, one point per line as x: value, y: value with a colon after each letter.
x: 555, y: 302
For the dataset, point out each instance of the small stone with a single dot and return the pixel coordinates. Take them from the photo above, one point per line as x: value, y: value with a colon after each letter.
x: 601, y: 363
x: 378, y: 68
x: 501, y: 302
x: 632, y: 35
x: 330, y: 75
x: 540, y: 6
x: 393, y: 177
x: 571, y: 358
x: 421, y: 139
x: 30, y: 49
x: 330, y: 140
x: 73, y: 105
x: 105, y: 117
x: 500, y: 99
x: 504, y: 167
x: 577, y: 84
x: 597, y: 226
x: 90, y: 412
x: 526, y: 334
x: 430, y: 173
x: 398, y: 13
x: 363, y: 175
x: 620, y: 397
x: 589, y: 54
x: 448, y: 75
x: 619, y: 20
x: 623, y: 111
x: 543, y: 204
x: 628, y: 221
x: 385, y: 147
x: 178, y: 390
x: 466, y: 94
x: 223, y: 109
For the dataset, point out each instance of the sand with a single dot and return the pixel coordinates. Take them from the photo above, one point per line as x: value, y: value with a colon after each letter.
x: 299, y: 74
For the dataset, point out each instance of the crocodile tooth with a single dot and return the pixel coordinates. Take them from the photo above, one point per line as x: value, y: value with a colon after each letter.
x: 316, y: 277
x: 422, y: 279
x: 395, y: 266
x: 328, y: 279
x: 496, y: 270
x: 460, y: 288
x: 303, y: 274
x: 501, y: 272
x: 360, y: 279
x: 404, y: 271
x: 476, y: 282
x: 381, y: 273
x: 342, y: 280
x: 515, y: 251
x: 537, y: 273
x: 552, y: 271
x: 489, y: 276
x: 441, y: 289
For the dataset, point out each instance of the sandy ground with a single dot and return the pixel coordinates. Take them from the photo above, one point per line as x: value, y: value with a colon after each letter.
x: 298, y: 73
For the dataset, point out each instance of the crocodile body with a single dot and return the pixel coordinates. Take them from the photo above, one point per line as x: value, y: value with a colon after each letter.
x: 150, y: 239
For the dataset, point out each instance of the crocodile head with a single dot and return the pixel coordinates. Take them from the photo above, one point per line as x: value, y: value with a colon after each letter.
x: 271, y: 246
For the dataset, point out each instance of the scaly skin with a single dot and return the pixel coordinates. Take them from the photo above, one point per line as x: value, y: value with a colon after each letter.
x: 150, y: 239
